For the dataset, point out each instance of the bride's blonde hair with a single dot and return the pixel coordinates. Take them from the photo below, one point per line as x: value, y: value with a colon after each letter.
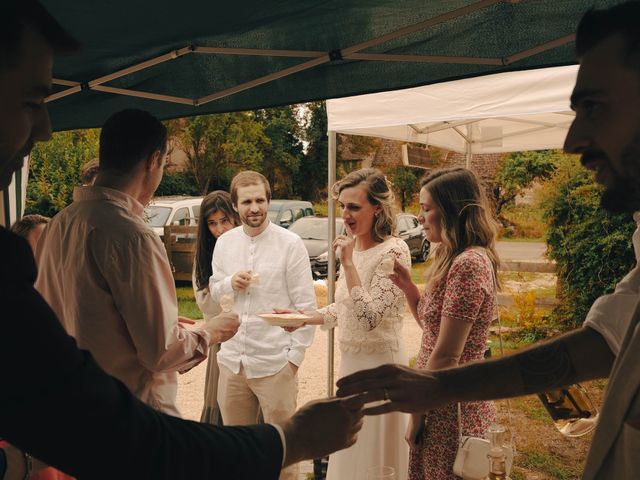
x: 466, y: 219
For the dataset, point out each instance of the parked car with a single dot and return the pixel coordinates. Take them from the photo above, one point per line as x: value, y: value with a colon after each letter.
x: 174, y: 210
x: 285, y: 212
x: 410, y: 230
x: 314, y: 232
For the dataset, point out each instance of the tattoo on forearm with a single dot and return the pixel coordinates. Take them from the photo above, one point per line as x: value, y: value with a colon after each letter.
x: 546, y: 367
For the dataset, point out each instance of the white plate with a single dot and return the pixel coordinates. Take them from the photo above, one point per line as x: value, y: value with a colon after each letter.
x: 285, y: 319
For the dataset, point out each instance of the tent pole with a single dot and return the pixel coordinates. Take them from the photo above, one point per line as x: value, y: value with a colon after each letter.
x: 331, y: 272
x: 469, y: 146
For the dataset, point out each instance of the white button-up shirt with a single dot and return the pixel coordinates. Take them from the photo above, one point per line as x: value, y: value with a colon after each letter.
x: 610, y: 315
x: 282, y: 262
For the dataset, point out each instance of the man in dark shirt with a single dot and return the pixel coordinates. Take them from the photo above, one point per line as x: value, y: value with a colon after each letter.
x: 55, y: 402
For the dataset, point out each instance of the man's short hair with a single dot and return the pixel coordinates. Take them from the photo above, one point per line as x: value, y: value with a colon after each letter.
x: 597, y: 25
x: 27, y: 223
x: 18, y: 14
x: 129, y: 137
x: 245, y: 179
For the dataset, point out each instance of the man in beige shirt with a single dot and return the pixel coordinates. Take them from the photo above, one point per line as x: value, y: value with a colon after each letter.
x: 106, y: 275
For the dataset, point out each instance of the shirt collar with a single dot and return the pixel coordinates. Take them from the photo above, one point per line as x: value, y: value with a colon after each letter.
x: 104, y: 193
x: 261, y: 234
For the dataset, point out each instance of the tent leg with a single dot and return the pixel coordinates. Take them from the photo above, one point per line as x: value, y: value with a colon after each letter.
x: 469, y: 146
x: 331, y: 273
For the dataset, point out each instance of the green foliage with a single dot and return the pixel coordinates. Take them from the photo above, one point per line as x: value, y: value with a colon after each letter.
x: 592, y: 248
x: 518, y: 171
x: 311, y: 177
x: 54, y: 169
x: 406, y: 183
x: 218, y: 146
x: 283, y: 153
x: 525, y: 222
x: 178, y: 183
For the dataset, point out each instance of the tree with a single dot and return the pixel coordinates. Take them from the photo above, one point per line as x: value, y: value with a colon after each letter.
x: 217, y: 146
x: 283, y: 154
x: 311, y: 178
x: 518, y: 172
x: 54, y: 169
x: 592, y: 247
x: 405, y: 182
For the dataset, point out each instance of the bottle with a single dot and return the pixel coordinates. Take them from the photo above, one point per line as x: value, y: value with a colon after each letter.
x: 572, y: 410
x: 497, y: 457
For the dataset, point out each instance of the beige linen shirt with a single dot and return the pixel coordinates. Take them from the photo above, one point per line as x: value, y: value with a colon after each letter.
x: 106, y: 275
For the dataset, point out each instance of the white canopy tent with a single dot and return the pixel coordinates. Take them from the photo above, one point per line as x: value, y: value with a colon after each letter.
x: 505, y: 112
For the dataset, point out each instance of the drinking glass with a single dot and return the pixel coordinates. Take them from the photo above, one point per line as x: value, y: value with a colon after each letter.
x: 380, y: 472
x: 226, y: 302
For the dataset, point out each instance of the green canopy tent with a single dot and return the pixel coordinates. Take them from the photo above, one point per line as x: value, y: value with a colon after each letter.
x: 194, y: 57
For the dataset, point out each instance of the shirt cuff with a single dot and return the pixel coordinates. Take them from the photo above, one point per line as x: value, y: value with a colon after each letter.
x: 282, y: 439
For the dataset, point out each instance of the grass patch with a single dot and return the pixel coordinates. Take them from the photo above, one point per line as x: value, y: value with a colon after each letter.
x: 526, y: 222
x: 187, y: 306
x: 547, y: 464
x: 532, y: 408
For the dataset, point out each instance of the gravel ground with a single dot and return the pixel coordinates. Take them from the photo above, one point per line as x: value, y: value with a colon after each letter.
x: 312, y: 375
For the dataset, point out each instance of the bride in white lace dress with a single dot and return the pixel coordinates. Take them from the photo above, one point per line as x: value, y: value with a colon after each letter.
x: 368, y: 312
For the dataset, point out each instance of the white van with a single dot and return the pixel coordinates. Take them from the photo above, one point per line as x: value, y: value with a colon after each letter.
x: 174, y: 210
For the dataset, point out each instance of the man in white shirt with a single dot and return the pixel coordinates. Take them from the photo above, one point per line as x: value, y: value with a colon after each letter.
x: 263, y: 266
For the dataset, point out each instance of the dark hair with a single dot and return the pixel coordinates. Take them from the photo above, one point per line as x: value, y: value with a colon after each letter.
x: 129, y: 137
x: 89, y: 171
x: 27, y: 223
x: 597, y: 25
x: 18, y: 14
x: 378, y: 193
x: 245, y: 179
x: 212, y: 203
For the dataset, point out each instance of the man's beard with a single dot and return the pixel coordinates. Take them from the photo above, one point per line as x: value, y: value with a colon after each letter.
x: 623, y: 195
x: 254, y: 221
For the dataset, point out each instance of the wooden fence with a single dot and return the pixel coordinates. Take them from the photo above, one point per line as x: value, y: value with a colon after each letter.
x: 506, y: 299
x: 180, y: 243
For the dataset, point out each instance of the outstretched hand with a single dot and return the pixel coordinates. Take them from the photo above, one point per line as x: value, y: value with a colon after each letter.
x: 403, y: 389
x: 334, y: 424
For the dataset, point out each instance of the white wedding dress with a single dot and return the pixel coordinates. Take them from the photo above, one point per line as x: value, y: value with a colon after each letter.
x: 370, y: 322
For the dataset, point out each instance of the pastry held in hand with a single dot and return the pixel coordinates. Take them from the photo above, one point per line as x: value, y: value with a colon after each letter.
x: 285, y: 319
x: 386, y: 265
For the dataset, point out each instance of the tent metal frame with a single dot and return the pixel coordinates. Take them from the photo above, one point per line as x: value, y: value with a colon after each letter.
x: 353, y: 52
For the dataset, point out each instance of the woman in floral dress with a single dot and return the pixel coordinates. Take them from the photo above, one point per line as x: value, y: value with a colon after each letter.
x: 368, y: 310
x: 454, y: 311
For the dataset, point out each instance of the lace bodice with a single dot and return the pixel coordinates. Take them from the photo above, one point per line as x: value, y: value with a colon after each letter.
x: 370, y: 317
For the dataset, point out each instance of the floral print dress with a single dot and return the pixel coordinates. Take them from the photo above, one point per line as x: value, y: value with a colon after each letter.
x: 468, y: 294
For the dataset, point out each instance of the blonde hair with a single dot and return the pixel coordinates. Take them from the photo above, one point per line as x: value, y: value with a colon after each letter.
x: 466, y: 220
x: 378, y: 193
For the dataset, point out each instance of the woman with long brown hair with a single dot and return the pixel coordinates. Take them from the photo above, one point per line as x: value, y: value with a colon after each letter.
x: 216, y: 217
x: 454, y: 311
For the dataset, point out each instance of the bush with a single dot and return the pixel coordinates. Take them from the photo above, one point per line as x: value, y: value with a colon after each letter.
x: 592, y: 248
x: 178, y: 183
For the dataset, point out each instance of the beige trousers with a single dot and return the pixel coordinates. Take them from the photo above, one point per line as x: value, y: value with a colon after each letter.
x: 240, y: 399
